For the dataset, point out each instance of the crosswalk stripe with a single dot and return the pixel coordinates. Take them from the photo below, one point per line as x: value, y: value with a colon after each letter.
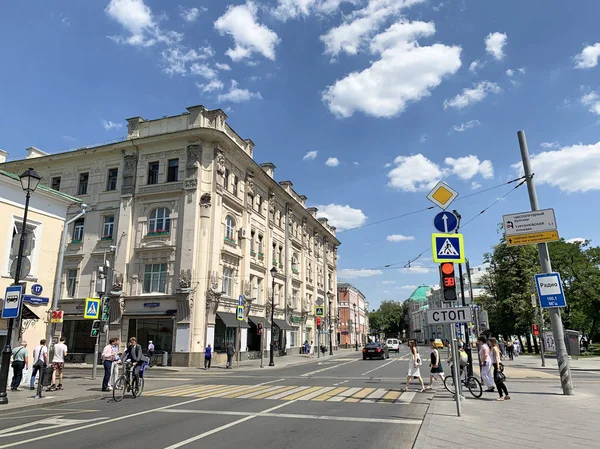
x: 195, y: 390
x: 274, y: 391
x: 257, y: 392
x: 181, y: 389
x: 360, y: 395
x: 372, y: 398
x: 300, y: 394
x: 314, y: 394
x: 405, y: 398
x: 391, y: 396
x: 330, y: 394
x: 286, y: 393
x: 215, y: 392
x: 245, y: 391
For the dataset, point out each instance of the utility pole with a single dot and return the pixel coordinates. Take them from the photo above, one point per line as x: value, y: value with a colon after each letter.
x: 555, y: 319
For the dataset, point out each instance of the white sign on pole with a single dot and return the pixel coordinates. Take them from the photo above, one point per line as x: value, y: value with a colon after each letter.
x: 453, y: 315
x: 529, y: 222
x: 549, y: 342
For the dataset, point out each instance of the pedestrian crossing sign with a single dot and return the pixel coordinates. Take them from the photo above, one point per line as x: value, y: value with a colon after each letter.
x: 319, y: 311
x: 92, y: 308
x: 448, y: 248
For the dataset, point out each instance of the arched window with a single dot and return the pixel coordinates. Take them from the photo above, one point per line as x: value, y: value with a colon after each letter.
x: 160, y: 221
x: 295, y: 262
x: 230, y: 228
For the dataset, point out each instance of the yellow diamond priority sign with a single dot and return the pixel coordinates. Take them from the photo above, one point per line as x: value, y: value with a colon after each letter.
x: 442, y: 195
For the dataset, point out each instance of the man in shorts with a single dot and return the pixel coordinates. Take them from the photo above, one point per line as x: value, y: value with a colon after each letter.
x: 58, y: 363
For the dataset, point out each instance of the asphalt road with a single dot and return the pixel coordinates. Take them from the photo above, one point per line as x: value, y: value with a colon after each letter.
x: 343, y: 403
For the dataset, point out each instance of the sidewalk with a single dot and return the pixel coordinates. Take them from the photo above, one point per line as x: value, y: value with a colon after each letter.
x: 80, y: 387
x: 537, y: 416
x: 534, y: 361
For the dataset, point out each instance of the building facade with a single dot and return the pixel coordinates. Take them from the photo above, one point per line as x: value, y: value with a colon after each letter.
x: 191, y: 226
x: 353, y: 308
x: 45, y: 221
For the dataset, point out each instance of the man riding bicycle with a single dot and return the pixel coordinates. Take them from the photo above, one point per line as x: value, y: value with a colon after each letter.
x: 133, y: 355
x: 462, y: 357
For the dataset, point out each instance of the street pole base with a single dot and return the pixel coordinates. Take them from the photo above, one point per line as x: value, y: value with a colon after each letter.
x: 271, y: 364
x: 3, y: 399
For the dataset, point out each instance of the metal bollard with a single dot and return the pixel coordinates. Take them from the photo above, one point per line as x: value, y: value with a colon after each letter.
x: 165, y: 359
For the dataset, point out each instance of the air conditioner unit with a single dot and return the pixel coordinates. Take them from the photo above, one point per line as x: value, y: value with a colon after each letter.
x: 242, y: 233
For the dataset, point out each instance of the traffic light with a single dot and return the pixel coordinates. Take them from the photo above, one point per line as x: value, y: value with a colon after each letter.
x: 105, y: 308
x: 260, y: 328
x: 95, y: 328
x: 448, y: 281
x: 536, y: 330
x: 318, y: 322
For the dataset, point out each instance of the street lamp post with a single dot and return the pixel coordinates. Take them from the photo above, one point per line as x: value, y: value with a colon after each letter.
x: 273, y: 273
x: 330, y: 325
x: 29, y: 182
x: 356, y: 326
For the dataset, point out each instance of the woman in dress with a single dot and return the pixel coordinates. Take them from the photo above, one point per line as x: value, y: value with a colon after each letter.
x: 498, y: 380
x: 414, y: 366
x: 436, y: 365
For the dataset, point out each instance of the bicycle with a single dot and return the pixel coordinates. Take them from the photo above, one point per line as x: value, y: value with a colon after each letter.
x: 128, y: 381
x: 470, y: 382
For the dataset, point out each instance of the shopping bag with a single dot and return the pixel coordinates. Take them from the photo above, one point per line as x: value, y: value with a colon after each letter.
x: 25, y: 379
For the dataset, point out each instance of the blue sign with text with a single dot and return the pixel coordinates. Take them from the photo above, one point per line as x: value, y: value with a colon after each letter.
x: 37, y: 289
x: 12, y: 302
x: 36, y: 300
x: 550, y: 290
x: 241, y: 300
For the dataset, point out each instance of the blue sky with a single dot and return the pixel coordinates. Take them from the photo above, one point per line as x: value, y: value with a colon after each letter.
x: 363, y: 104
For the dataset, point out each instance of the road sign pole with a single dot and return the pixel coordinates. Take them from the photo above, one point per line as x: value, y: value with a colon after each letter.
x: 555, y: 319
x: 456, y: 372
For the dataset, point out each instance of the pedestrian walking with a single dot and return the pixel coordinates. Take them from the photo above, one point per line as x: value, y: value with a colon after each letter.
x: 108, y: 358
x: 499, y: 376
x: 517, y: 347
x: 207, y: 356
x: 311, y: 350
x: 150, y: 351
x: 510, y: 349
x: 414, y: 366
x: 436, y: 365
x: 114, y: 371
x: 485, y: 363
x: 40, y: 361
x: 20, y: 357
x: 230, y: 353
x: 58, y: 364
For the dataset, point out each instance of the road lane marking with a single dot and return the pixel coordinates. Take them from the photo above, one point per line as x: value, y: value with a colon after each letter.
x: 314, y: 394
x: 286, y: 393
x: 330, y: 394
x: 246, y: 391
x: 300, y: 394
x: 373, y: 397
x: 276, y: 390
x: 265, y: 414
x: 379, y: 367
x: 226, y: 426
x: 108, y: 421
x: 328, y: 368
x: 405, y: 398
x: 340, y: 383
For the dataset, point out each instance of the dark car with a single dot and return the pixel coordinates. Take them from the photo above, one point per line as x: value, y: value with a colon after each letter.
x: 376, y: 350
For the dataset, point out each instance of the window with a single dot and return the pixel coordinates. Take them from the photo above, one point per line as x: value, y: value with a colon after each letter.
x: 107, y: 229
x: 173, y: 170
x: 251, y: 201
x: 155, y: 278
x: 111, y: 179
x: 227, y: 281
x: 280, y: 257
x: 71, y: 283
x: 252, y: 242
x: 159, y: 222
x: 259, y: 204
x: 153, y: 173
x: 294, y: 338
x: 226, y: 180
x: 294, y: 299
x: 78, y: 231
x: 260, y: 243
x: 259, y: 294
x: 55, y: 183
x: 83, y: 183
x: 229, y: 229
x: 234, y: 185
x: 295, y: 262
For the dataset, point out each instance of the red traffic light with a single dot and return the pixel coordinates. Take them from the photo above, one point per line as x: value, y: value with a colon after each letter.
x: 536, y: 330
x: 448, y: 281
x: 448, y: 268
x: 318, y: 321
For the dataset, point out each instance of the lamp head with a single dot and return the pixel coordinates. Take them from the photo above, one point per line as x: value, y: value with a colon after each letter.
x: 29, y: 180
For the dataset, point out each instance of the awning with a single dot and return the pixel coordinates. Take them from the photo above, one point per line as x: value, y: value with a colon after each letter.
x: 169, y: 312
x: 28, y: 314
x: 282, y: 324
x: 256, y: 320
x: 230, y: 320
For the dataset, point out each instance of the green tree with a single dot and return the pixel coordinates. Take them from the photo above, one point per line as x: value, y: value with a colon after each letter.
x: 390, y: 318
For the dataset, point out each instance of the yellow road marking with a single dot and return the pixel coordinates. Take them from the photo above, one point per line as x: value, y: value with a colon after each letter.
x: 217, y: 392
x: 330, y: 394
x: 246, y: 391
x: 194, y: 390
x: 273, y: 392
x: 300, y: 394
x: 360, y: 395
x: 391, y: 396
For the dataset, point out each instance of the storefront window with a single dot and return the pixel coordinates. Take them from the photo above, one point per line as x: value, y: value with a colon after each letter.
x: 223, y: 335
x: 77, y: 334
x: 159, y: 330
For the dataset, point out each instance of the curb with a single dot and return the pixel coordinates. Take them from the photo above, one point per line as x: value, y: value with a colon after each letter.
x: 40, y: 403
x: 424, y: 428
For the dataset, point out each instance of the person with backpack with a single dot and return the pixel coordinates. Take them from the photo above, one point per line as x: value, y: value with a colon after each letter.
x: 40, y: 361
x: 20, y: 356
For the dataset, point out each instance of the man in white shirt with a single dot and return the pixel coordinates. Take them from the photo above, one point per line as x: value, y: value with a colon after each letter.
x: 485, y: 363
x: 58, y: 363
x: 39, y: 362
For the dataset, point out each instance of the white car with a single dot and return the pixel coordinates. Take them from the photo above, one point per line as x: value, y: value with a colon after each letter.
x: 393, y: 344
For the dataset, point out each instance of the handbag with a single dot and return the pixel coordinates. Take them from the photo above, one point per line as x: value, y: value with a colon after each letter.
x: 40, y: 360
x: 499, y: 377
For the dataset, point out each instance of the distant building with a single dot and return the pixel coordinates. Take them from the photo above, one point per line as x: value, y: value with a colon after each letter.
x: 352, y: 308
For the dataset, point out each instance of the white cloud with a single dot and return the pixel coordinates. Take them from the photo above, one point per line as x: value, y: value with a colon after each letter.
x: 405, y: 72
x: 290, y: 9
x: 310, y: 155
x: 472, y: 95
x: 494, y: 45
x: 109, y: 124
x: 414, y: 173
x: 466, y: 125
x: 203, y: 70
x: 356, y: 163
x: 399, y: 238
x: 211, y: 86
x: 476, y: 65
x: 224, y: 67
x: 572, y: 169
x: 332, y: 162
x: 423, y: 138
x: 407, y: 287
x: 469, y: 166
x: 190, y: 15
x: 592, y: 101
x: 388, y: 282
x: 69, y: 138
x: 349, y: 273
x: 237, y: 95
x: 342, y: 217
x: 416, y: 269
x: 249, y: 36
x: 549, y: 145
x: 475, y: 185
x: 361, y: 24
x: 387, y: 165
x: 509, y: 72
x: 137, y: 19
x: 588, y: 58
x: 176, y: 59
x: 576, y: 240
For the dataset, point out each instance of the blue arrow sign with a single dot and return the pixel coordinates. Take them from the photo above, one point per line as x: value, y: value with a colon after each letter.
x: 241, y: 300
x: 445, y: 222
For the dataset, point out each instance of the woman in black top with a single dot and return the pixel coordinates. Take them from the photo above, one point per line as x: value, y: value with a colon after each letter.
x: 436, y: 365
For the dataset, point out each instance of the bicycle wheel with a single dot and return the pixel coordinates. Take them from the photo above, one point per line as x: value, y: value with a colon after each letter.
x: 138, y: 387
x: 474, y: 387
x: 119, y: 389
x: 449, y: 384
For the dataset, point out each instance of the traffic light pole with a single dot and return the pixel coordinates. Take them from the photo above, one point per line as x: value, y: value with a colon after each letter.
x: 96, y: 348
x: 555, y: 319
